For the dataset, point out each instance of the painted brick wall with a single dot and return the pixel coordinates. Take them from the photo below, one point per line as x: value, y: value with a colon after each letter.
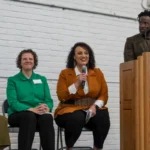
x: 52, y: 31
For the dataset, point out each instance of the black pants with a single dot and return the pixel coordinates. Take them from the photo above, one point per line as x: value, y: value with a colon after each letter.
x: 28, y: 122
x: 74, y: 122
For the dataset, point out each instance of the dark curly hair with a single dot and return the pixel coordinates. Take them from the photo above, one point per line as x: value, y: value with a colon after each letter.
x: 18, y: 60
x: 144, y: 13
x: 70, y: 59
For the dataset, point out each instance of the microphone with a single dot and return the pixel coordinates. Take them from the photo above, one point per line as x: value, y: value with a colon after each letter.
x: 83, y: 71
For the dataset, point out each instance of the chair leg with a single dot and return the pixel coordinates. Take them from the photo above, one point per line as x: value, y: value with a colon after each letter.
x: 61, y: 139
x: 40, y: 147
x: 58, y: 138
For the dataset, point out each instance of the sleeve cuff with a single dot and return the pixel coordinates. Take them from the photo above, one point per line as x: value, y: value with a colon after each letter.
x: 72, y: 89
x: 99, y: 103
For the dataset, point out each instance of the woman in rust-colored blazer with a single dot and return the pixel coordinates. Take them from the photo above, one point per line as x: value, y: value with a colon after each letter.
x: 83, y: 94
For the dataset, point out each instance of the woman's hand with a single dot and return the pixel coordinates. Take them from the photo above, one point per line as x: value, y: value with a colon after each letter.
x: 81, y: 77
x: 41, y: 109
x: 93, y: 110
x: 35, y: 110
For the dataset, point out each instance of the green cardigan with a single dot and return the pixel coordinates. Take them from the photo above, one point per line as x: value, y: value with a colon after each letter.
x: 24, y: 93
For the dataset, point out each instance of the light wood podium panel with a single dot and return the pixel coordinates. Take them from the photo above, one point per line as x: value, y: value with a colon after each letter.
x: 135, y: 104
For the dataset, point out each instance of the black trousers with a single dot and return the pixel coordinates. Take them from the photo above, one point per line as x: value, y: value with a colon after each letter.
x: 74, y: 122
x: 28, y: 123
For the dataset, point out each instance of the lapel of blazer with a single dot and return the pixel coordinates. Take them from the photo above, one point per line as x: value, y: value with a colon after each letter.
x: 138, y: 42
x: 71, y: 76
x: 71, y: 79
x: 91, y: 80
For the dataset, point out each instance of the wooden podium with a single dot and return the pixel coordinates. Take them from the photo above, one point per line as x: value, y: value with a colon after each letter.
x: 135, y: 104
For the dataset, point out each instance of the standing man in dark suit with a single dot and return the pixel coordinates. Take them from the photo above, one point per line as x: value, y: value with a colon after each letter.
x: 139, y: 43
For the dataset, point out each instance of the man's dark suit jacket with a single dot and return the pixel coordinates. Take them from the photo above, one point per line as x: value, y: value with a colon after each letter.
x: 135, y: 46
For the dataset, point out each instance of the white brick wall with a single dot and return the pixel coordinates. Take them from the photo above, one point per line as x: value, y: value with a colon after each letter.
x: 117, y: 7
x: 52, y: 31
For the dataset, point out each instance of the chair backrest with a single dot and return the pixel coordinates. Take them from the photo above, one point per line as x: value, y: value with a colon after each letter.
x: 5, y: 107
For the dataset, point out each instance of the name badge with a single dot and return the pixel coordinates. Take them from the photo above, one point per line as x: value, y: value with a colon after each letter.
x: 37, y: 81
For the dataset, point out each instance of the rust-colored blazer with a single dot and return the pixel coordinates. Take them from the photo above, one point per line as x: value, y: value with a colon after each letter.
x: 135, y: 46
x: 97, y: 89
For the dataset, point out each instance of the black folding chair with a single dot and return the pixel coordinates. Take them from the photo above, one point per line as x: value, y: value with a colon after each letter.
x: 10, y: 128
x: 60, y: 140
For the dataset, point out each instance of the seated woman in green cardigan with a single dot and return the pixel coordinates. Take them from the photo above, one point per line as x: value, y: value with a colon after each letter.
x: 30, y: 103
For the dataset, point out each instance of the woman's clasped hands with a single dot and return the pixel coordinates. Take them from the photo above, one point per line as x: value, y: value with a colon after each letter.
x: 41, y: 109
